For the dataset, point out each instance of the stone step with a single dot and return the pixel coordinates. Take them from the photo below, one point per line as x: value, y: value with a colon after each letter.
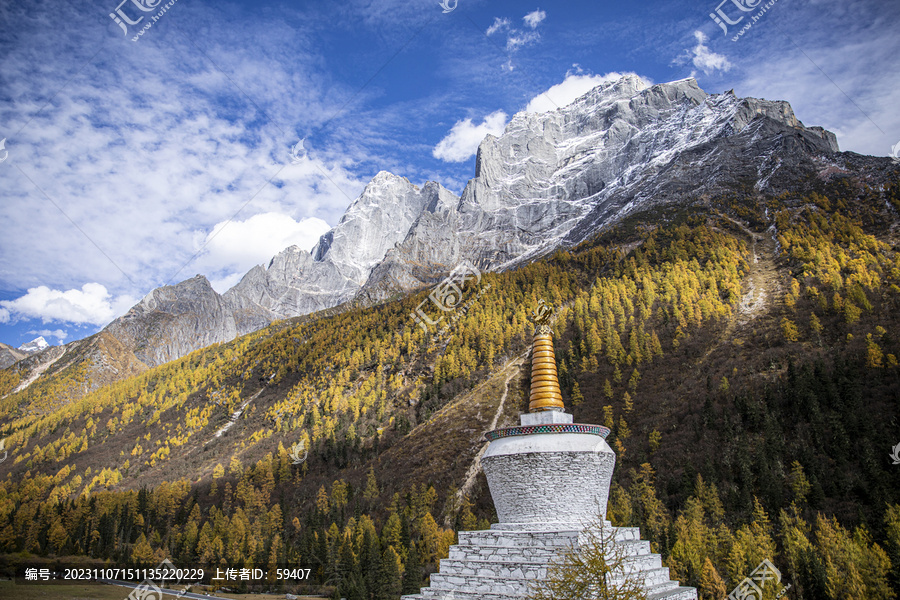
x: 655, y: 580
x: 628, y: 533
x: 517, y: 588
x: 656, y: 576
x: 543, y: 526
x: 432, y: 594
x: 644, y: 562
x: 486, y: 568
x: 467, y: 565
x: 519, y: 581
x: 676, y: 593
x: 660, y: 588
x: 518, y: 538
x: 515, y: 553
x: 504, y: 537
x: 503, y: 553
x: 670, y: 593
x: 503, y: 564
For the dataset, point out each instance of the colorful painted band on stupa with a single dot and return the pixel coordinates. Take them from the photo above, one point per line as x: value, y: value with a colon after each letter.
x: 600, y: 430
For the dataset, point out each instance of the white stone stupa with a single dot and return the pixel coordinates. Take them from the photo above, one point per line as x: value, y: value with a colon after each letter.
x: 549, y: 479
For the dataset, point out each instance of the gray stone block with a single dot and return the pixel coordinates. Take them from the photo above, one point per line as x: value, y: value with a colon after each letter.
x: 545, y: 417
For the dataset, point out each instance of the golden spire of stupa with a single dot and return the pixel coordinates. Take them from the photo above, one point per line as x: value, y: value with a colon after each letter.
x: 545, y: 394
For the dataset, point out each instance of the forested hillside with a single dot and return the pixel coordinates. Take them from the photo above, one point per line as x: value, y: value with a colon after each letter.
x: 743, y: 350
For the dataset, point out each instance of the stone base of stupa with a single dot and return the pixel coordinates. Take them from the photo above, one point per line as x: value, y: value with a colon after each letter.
x: 549, y: 479
x: 503, y: 563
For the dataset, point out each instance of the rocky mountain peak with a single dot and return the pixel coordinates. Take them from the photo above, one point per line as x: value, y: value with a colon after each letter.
x: 168, y: 297
x: 35, y: 345
x: 551, y: 180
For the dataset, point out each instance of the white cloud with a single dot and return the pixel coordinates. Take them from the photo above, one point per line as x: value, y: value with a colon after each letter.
x: 573, y: 86
x: 59, y: 334
x: 223, y: 284
x: 704, y: 59
x: 92, y: 304
x: 237, y: 246
x: 140, y: 164
x: 533, y: 19
x: 497, y: 26
x: 4, y: 315
x: 462, y: 141
x: 517, y: 39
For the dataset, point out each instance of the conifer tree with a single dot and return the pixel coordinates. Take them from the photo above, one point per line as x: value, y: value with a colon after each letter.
x: 712, y: 587
x: 608, y: 419
x: 753, y: 543
x: 577, y: 397
x: 789, y: 330
x: 370, y: 494
x: 892, y: 532
x: 142, y: 553
x: 322, y: 504
x: 412, y: 573
x: 648, y: 510
x: 390, y: 582
x: 368, y: 549
x: 619, y: 507
x: 855, y: 566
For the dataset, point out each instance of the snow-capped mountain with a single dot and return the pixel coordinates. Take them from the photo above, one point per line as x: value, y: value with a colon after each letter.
x: 35, y: 345
x: 297, y: 282
x: 553, y: 179
x: 550, y: 180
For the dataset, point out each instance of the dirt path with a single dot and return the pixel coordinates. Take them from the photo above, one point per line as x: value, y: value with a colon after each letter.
x: 762, y: 280
x: 761, y: 285
x: 475, y: 467
x: 235, y: 416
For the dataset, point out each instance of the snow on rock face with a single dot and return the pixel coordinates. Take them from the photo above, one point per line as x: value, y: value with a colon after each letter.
x: 550, y: 180
x: 35, y: 345
x: 379, y: 218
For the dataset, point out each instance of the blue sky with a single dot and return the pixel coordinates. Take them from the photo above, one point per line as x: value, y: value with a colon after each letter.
x: 131, y: 164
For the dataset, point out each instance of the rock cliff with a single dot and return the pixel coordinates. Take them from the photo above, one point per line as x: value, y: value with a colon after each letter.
x: 550, y: 180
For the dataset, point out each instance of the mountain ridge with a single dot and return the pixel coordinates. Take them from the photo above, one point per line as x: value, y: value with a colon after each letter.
x: 549, y: 181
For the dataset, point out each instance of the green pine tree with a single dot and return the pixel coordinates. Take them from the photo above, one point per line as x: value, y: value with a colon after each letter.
x: 389, y: 581
x: 412, y: 575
